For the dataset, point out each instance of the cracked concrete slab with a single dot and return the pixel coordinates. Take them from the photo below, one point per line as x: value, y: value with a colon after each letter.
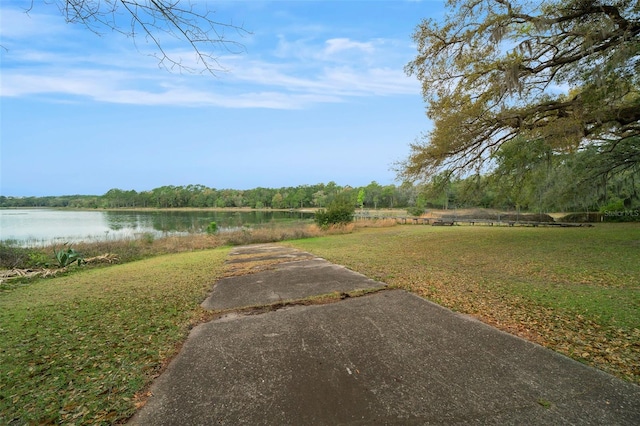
x: 388, y: 358
x: 290, y: 280
x: 266, y: 252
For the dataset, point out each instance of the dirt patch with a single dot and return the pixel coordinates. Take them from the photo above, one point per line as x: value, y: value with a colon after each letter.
x: 254, y: 259
x: 487, y: 214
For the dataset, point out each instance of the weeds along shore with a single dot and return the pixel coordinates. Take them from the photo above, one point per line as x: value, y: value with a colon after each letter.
x: 146, y: 245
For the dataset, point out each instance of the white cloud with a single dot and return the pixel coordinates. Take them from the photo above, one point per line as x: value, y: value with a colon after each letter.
x: 336, y: 45
x: 330, y: 50
x: 298, y: 73
x: 189, y: 97
x: 75, y: 83
x: 19, y: 23
x: 120, y: 88
x: 373, y: 81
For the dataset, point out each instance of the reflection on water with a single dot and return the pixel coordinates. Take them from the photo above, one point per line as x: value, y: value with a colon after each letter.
x: 46, y: 226
x: 194, y: 222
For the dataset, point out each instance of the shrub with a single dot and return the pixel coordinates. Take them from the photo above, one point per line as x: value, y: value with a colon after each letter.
x: 419, y: 208
x: 616, y: 211
x: 339, y: 212
x: 416, y: 210
x: 615, y: 205
x: 212, y: 228
x: 38, y: 260
x: 12, y: 256
x: 15, y: 257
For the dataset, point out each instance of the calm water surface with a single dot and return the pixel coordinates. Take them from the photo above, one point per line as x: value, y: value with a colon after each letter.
x: 29, y: 227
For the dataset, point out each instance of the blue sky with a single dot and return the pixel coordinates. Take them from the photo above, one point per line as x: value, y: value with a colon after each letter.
x: 318, y: 94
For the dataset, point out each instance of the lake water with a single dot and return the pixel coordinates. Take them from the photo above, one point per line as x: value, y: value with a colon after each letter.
x: 35, y: 227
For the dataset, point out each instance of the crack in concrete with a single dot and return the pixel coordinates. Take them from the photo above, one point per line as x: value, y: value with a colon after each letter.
x: 321, y: 299
x: 266, y: 277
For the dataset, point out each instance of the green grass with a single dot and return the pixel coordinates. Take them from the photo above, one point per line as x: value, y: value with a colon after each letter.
x: 575, y: 290
x: 81, y: 348
x: 76, y: 349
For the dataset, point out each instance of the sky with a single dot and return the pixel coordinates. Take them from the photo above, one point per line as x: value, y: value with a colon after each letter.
x: 314, y: 92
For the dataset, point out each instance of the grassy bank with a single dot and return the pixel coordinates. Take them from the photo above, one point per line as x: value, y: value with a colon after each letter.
x: 146, y: 246
x: 76, y: 349
x: 575, y: 290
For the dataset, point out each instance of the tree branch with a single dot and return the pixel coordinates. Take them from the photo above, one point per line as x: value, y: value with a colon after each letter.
x: 154, y: 17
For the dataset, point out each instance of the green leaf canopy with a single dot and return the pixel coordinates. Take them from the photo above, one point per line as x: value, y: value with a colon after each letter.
x: 566, y: 72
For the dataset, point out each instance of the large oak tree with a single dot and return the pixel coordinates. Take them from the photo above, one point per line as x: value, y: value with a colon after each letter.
x: 563, y: 71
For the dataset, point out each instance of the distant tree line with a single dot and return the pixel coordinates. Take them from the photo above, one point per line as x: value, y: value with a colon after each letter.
x: 536, y: 179
x: 200, y: 196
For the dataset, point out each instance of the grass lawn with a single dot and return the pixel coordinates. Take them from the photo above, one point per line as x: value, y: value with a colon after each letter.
x: 76, y: 349
x: 79, y: 349
x: 575, y: 290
